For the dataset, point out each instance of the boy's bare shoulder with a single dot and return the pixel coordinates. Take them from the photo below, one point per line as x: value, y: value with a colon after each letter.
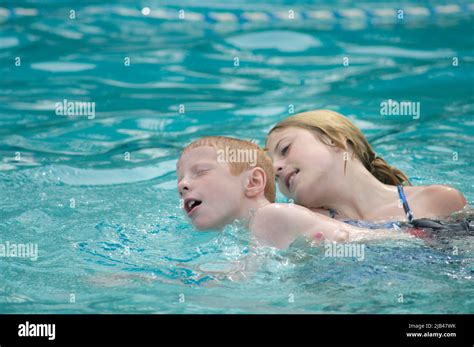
x: 277, y: 212
x: 267, y: 215
x: 275, y: 222
x: 285, y: 218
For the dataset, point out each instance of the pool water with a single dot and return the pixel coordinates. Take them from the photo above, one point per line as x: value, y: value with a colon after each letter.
x: 97, y: 192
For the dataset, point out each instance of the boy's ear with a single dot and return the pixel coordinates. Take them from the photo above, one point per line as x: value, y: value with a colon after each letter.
x: 256, y: 181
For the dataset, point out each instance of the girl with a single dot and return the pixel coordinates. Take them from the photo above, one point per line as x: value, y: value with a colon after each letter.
x: 323, y: 162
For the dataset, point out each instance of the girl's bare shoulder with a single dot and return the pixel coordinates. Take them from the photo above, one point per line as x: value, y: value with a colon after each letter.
x: 436, y: 199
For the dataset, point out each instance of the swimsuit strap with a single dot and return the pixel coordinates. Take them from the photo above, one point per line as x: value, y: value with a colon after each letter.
x: 401, y: 194
x: 404, y: 201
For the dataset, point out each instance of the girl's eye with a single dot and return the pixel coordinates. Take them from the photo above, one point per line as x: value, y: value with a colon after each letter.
x: 285, y: 150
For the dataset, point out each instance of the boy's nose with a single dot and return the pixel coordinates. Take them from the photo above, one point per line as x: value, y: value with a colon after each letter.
x: 182, y: 187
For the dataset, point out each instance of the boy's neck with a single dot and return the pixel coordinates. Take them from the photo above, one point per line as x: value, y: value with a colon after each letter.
x: 250, y: 206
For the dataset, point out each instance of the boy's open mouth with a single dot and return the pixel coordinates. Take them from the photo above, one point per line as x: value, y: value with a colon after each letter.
x: 190, y: 205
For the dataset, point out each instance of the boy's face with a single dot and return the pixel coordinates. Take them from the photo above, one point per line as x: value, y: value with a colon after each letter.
x: 212, y: 195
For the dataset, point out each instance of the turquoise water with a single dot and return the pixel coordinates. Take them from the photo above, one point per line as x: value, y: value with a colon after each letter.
x: 98, y: 194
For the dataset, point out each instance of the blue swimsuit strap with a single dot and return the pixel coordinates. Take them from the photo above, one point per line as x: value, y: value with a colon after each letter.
x: 404, y: 201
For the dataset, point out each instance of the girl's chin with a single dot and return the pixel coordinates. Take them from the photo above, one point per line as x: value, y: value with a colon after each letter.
x: 305, y: 194
x: 302, y: 199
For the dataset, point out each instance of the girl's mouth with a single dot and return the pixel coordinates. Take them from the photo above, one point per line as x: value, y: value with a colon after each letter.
x: 290, y: 178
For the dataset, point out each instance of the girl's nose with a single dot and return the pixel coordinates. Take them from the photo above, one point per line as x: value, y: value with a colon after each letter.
x: 278, y: 167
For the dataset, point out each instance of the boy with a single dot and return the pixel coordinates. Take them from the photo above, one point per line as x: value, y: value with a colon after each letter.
x: 221, y: 179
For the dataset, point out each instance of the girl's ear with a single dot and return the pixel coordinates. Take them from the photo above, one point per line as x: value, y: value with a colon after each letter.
x: 330, y: 142
x: 256, y: 181
x: 350, y: 148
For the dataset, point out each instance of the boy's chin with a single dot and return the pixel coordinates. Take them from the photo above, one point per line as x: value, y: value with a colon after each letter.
x: 206, y: 225
x: 199, y: 227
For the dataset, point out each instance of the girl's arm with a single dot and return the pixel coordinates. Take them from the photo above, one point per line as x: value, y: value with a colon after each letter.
x: 279, y: 225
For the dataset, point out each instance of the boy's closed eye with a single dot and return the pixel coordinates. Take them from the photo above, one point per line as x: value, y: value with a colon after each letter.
x: 197, y: 170
x: 200, y: 169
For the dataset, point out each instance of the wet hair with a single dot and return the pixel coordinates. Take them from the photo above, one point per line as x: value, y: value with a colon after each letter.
x: 331, y: 125
x: 263, y: 161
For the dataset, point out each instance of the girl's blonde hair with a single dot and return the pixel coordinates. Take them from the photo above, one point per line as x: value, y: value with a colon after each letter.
x: 339, y: 129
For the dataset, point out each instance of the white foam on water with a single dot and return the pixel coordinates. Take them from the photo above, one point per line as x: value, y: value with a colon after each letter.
x: 57, y: 66
x: 284, y: 41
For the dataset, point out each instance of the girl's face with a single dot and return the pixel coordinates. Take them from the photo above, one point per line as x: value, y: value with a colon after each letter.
x: 306, y: 168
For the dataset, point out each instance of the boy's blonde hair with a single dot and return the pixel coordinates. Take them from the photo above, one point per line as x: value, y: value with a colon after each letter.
x: 340, y: 129
x: 263, y: 161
